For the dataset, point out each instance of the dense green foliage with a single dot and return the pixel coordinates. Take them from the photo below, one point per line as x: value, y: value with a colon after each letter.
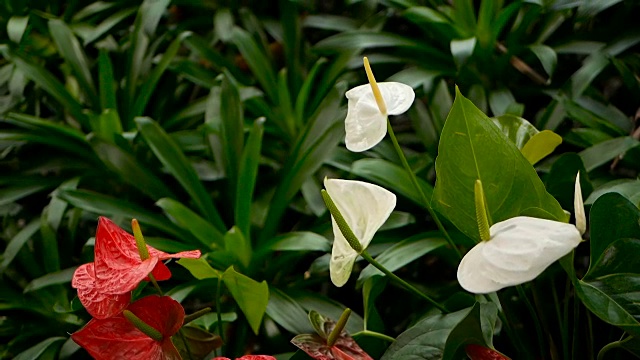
x: 214, y: 123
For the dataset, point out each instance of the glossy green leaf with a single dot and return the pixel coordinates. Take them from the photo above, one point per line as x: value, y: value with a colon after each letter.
x: 620, y: 257
x: 371, y: 289
x: 176, y: 162
x: 630, y: 189
x: 200, y: 269
x: 297, y: 241
x: 517, y: 129
x: 107, y: 125
x: 16, y: 192
x: 105, y: 26
x: 476, y: 328
x: 54, y: 278
x: 72, y: 52
x: 606, y: 151
x: 471, y: 148
x: 403, y: 253
x: 204, y: 231
x: 106, y: 82
x: 101, y: 204
x: 540, y: 145
x: 605, y: 228
x: 252, y: 296
x: 391, y: 177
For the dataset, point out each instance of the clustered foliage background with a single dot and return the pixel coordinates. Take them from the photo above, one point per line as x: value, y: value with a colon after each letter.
x: 200, y: 117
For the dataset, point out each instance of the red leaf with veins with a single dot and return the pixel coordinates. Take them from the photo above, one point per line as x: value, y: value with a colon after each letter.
x: 118, y: 266
x: 98, y: 304
x: 117, y: 338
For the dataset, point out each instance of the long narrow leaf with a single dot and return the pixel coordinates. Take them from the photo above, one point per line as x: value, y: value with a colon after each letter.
x: 106, y: 82
x: 247, y: 177
x: 179, y: 166
x: 202, y: 230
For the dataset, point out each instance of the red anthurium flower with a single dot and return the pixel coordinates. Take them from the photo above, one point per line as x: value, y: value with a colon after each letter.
x: 117, y: 338
x: 478, y: 352
x: 99, y: 305
x: 118, y: 266
x: 248, y: 357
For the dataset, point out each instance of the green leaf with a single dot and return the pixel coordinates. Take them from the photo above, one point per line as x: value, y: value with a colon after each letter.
x: 392, y: 177
x: 462, y: 50
x: 605, y: 228
x: 204, y: 231
x: 471, y: 148
x: 71, y: 51
x: 200, y: 269
x: 105, y: 26
x: 547, y: 56
x: 39, y: 349
x: 613, y: 299
x: 561, y: 180
x: 620, y: 257
x: 43, y: 78
x: 13, y: 193
x: 252, y: 297
x: 476, y: 328
x: 232, y: 131
x: 146, y: 90
x: 59, y: 277
x: 628, y: 188
x: 238, y: 246
x: 540, y: 145
x: 108, y: 206
x: 257, y: 60
x: 427, y: 338
x: 288, y: 313
x: 295, y: 241
x: 517, y: 129
x: 403, y: 253
x: 107, y: 82
x: 606, y: 151
x: 248, y: 176
x: 178, y: 165
x: 17, y: 242
x: 129, y: 169
x: 16, y: 27
x: 107, y: 125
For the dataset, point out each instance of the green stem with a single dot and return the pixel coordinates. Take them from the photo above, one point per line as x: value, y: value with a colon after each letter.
x: 374, y: 334
x: 534, y: 316
x: 418, y: 188
x: 186, y: 344
x: 613, y: 345
x: 189, y: 318
x: 401, y: 282
x: 219, y: 310
x: 155, y: 284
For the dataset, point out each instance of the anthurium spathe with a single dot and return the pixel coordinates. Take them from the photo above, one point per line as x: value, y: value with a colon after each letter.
x: 519, y: 249
x: 478, y: 352
x: 104, y: 286
x: 117, y: 338
x: 365, y: 207
x: 118, y: 266
x: 368, y: 107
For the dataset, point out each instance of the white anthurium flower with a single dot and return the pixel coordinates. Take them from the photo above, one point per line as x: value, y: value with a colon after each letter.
x: 365, y: 207
x: 519, y: 249
x: 368, y: 107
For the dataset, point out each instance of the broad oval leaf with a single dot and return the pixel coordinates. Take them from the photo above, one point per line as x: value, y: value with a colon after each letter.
x: 252, y: 296
x: 471, y: 148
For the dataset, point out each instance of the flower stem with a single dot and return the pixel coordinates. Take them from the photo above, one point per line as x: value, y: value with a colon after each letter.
x: 401, y: 282
x: 189, y: 318
x: 613, y: 345
x: 219, y: 310
x: 418, y: 188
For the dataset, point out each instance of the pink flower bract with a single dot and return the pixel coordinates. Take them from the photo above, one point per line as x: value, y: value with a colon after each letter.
x: 117, y: 338
x: 99, y: 305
